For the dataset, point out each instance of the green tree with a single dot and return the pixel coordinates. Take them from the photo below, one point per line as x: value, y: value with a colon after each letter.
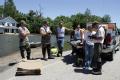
x: 49, y: 20
x: 95, y: 18
x: 35, y: 21
x: 87, y: 15
x: 1, y: 10
x: 9, y: 8
x: 78, y: 19
x: 106, y: 18
x: 87, y: 12
x: 67, y: 21
x: 20, y: 16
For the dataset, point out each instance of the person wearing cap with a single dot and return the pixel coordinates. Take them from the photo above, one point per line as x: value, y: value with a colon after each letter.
x: 60, y: 34
x: 98, y: 46
x: 24, y: 41
x: 78, y: 36
x: 45, y: 40
x: 89, y: 48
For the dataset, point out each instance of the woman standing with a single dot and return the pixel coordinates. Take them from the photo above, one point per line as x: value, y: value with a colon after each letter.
x: 89, y: 48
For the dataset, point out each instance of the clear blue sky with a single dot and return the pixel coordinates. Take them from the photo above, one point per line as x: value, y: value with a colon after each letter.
x: 53, y: 8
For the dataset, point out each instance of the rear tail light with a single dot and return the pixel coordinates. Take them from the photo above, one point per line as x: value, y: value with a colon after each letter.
x: 108, y: 38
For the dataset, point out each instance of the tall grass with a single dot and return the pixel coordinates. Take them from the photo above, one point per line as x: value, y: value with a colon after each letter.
x: 67, y: 46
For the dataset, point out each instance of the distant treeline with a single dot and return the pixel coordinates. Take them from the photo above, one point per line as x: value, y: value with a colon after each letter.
x: 35, y: 19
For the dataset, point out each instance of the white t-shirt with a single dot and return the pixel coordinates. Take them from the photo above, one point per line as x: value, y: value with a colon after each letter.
x: 60, y: 32
x: 45, y: 39
x: 100, y: 33
x: 23, y: 30
x: 45, y: 29
x: 89, y: 40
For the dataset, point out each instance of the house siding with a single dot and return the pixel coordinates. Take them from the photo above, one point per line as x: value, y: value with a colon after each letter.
x: 1, y: 30
x: 9, y: 24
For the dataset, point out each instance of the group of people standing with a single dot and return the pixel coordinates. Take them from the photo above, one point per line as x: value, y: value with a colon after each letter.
x: 92, y: 37
x: 45, y: 40
x: 45, y: 32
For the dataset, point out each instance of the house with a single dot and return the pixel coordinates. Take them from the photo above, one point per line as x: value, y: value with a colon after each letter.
x: 8, y: 25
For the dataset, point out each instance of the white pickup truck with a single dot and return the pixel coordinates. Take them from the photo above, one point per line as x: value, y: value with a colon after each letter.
x: 112, y: 40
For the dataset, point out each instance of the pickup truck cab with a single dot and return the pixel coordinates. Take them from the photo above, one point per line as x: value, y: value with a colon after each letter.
x: 112, y: 40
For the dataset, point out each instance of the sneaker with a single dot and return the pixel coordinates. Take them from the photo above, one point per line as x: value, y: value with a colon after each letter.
x: 96, y: 72
x: 85, y: 71
x: 45, y: 59
x: 58, y: 55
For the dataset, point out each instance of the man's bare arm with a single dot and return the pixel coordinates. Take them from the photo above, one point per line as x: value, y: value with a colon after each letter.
x: 42, y: 32
x: 67, y: 29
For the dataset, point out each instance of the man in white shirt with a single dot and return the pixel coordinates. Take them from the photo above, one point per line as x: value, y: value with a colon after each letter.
x: 60, y: 35
x: 98, y: 46
x: 45, y: 40
x: 24, y: 41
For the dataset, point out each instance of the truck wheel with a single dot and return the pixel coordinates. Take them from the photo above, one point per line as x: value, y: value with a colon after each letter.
x: 110, y: 56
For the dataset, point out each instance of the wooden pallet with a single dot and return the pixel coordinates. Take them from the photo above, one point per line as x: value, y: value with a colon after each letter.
x: 29, y: 67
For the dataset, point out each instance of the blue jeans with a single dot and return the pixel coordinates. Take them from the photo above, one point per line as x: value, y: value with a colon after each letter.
x: 89, y: 51
x: 60, y: 44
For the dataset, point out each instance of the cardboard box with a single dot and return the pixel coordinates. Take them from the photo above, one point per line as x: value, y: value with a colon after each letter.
x: 29, y: 67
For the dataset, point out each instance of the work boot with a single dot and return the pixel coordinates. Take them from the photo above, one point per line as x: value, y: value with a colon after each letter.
x: 96, y: 72
x: 50, y: 57
x: 58, y: 55
x: 44, y: 58
x: 28, y: 57
x: 61, y: 54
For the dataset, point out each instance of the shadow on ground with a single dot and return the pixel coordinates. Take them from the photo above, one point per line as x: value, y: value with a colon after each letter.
x: 78, y: 70
x: 12, y: 64
x: 69, y: 59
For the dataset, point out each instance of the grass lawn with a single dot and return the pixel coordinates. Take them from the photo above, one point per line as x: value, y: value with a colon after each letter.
x: 67, y: 46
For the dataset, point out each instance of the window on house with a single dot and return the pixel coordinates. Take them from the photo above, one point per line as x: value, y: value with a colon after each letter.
x: 6, y: 30
x: 17, y: 31
x: 3, y: 24
x: 8, y: 24
x: 12, y: 30
x: 13, y: 24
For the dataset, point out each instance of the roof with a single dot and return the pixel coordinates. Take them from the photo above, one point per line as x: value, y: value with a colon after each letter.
x: 8, y: 19
x: 1, y: 18
x: 7, y: 27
